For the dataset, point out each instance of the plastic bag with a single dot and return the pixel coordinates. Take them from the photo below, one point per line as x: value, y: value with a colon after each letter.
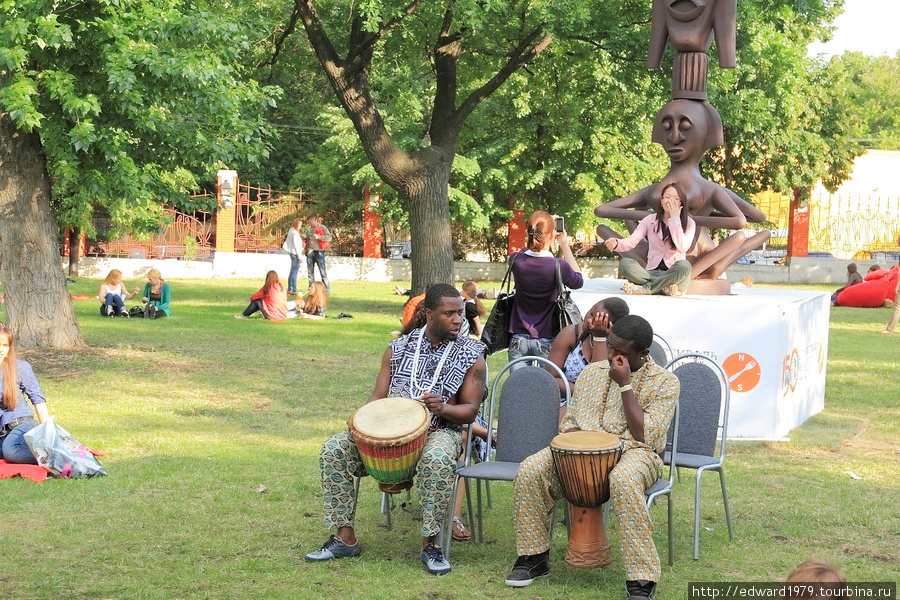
x: 60, y: 453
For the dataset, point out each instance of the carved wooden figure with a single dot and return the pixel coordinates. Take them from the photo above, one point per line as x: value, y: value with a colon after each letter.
x: 686, y: 129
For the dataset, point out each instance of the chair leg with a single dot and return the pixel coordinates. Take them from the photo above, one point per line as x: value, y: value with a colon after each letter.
x: 471, y: 513
x: 480, y: 516
x: 487, y: 489
x: 447, y: 531
x: 386, y: 508
x: 697, y: 513
x: 671, y: 537
x: 725, y: 500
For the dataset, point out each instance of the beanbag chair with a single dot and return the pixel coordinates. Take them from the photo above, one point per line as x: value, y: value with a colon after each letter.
x: 877, y: 287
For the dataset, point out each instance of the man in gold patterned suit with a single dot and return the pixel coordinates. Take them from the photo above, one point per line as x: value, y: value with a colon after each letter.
x: 633, y: 398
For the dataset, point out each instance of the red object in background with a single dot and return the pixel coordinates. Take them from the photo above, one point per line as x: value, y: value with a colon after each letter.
x: 372, y: 232
x: 82, y: 242
x: 877, y: 287
x: 798, y: 228
x: 515, y: 239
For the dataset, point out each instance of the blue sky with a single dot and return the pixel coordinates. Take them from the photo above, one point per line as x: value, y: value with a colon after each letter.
x: 867, y: 26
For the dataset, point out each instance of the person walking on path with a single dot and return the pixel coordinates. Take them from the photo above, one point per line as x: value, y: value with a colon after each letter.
x: 318, y: 238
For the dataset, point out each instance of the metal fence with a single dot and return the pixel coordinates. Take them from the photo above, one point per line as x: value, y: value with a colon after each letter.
x: 184, y: 236
x: 844, y: 226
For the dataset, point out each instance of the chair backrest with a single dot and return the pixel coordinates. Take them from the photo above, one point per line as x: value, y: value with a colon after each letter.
x: 660, y: 350
x: 702, y: 404
x: 528, y: 408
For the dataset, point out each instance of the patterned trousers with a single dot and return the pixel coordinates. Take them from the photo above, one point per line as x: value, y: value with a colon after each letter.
x: 340, y: 463
x: 537, y: 489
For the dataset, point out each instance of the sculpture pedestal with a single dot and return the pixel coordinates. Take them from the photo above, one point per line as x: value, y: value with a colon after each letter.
x: 709, y: 287
x: 773, y: 344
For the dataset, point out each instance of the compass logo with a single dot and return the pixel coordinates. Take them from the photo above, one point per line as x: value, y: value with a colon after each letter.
x: 743, y: 372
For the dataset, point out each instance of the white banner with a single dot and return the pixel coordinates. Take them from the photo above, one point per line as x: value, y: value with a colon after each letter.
x: 773, y: 344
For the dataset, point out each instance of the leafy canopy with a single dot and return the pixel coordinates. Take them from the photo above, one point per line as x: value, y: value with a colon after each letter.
x: 135, y: 102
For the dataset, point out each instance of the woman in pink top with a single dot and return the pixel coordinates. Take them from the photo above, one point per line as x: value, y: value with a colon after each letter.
x: 270, y: 300
x: 668, y: 271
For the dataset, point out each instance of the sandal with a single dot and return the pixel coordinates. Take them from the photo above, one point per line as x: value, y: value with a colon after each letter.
x: 460, y: 533
x: 673, y: 290
x: 634, y: 289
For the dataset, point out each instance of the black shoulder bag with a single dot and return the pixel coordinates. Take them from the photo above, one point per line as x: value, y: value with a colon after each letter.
x: 566, y: 311
x: 495, y: 333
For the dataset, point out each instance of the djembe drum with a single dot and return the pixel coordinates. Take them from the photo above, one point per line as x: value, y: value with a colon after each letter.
x: 390, y: 434
x: 584, y: 460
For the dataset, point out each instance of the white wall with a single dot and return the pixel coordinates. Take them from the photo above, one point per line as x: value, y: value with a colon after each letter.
x: 252, y: 266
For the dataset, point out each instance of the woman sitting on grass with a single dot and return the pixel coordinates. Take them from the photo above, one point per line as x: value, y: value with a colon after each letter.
x: 112, y: 295
x: 316, y: 302
x: 270, y: 300
x: 156, y: 296
x: 17, y: 381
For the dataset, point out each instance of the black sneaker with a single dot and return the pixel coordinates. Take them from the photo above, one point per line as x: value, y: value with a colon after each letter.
x: 642, y: 589
x: 529, y: 568
x: 434, y: 560
x: 333, y: 548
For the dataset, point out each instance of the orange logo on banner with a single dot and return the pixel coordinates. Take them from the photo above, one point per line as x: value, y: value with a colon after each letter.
x: 790, y: 372
x: 743, y: 372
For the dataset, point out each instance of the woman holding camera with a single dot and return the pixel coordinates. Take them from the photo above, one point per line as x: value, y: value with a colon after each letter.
x: 532, y: 322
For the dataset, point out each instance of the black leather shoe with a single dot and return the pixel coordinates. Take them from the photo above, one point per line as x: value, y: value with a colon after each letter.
x: 642, y: 589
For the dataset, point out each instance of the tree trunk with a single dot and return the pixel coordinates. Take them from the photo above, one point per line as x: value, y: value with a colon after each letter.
x: 38, y: 307
x: 428, y: 203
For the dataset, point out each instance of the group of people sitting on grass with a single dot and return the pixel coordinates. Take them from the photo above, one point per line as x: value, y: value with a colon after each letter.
x: 271, y: 301
x: 155, y: 298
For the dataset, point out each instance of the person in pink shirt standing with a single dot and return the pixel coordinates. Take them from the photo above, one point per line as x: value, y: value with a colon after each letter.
x: 669, y: 236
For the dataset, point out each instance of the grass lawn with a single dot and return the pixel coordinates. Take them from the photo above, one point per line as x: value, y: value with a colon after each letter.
x: 213, y: 425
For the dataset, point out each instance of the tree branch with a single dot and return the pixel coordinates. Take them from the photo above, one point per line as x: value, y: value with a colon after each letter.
x: 279, y: 43
x: 383, y: 31
x: 349, y: 80
x: 318, y: 38
x: 519, y: 57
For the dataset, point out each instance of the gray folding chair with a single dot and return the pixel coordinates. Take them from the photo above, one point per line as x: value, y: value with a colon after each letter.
x: 527, y: 417
x: 660, y: 350
x: 703, y: 407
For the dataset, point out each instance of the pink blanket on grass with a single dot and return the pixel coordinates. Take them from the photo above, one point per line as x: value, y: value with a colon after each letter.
x: 32, y: 472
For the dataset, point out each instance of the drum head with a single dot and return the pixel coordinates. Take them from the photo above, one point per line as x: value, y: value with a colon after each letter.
x: 389, y: 418
x: 585, y: 440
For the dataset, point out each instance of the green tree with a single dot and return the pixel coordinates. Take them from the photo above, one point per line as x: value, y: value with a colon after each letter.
x: 121, y: 105
x: 873, y: 91
x: 438, y: 61
x: 786, y: 118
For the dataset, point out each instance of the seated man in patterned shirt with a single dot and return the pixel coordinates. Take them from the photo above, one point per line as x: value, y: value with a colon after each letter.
x: 446, y: 372
x: 633, y: 398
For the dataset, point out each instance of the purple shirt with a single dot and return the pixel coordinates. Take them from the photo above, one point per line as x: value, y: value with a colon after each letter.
x: 536, y: 292
x: 28, y: 386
